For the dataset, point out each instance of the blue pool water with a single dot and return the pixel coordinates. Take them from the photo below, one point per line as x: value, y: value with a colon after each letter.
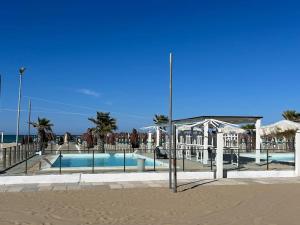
x: 280, y: 157
x: 102, y: 160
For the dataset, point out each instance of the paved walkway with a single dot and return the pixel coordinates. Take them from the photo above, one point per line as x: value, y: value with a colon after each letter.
x: 183, y: 185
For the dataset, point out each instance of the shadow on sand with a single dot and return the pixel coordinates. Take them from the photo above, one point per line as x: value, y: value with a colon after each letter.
x: 191, y: 185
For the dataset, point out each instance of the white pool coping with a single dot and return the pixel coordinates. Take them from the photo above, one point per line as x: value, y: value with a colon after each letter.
x: 95, y: 178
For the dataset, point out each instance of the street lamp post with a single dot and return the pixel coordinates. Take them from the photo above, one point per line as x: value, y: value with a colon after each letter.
x: 170, y: 123
x: 21, y: 72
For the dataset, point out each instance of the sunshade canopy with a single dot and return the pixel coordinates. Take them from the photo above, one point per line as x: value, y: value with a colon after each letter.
x: 279, y: 127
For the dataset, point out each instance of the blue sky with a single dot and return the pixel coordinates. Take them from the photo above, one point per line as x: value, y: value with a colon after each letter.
x: 230, y: 58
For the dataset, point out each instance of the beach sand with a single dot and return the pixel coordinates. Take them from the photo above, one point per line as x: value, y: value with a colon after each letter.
x: 229, y: 204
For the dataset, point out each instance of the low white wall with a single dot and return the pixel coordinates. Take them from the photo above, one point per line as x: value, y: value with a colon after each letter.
x: 108, y: 177
x: 40, y: 179
x: 119, y: 177
x: 261, y: 174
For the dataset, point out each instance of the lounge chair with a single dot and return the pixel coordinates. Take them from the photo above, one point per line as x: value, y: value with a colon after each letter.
x: 161, y: 154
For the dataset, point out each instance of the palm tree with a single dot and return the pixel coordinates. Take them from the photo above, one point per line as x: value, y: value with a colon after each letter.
x: 161, y: 121
x: 291, y: 115
x: 250, y: 137
x: 104, y: 125
x: 248, y: 127
x: 44, y: 130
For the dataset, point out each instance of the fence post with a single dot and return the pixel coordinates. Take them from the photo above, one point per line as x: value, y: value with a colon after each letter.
x: 267, y: 159
x: 93, y: 170
x: 219, y: 156
x: 18, y: 154
x: 9, y: 157
x: 211, y: 160
x: 154, y: 154
x: 21, y: 149
x: 238, y: 159
x: 14, y: 155
x: 183, y: 155
x: 124, y: 161
x: 26, y: 160
x: 4, y: 157
x: 60, y: 162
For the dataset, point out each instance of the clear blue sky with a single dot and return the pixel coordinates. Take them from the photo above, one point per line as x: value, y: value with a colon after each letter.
x: 230, y: 58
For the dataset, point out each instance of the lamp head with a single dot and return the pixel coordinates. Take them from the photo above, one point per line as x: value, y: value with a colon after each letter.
x: 22, y: 70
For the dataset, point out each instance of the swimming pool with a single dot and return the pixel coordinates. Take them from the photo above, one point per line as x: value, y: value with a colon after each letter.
x: 279, y: 157
x: 102, y: 160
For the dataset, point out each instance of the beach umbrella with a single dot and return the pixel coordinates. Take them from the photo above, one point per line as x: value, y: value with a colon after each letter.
x: 279, y: 128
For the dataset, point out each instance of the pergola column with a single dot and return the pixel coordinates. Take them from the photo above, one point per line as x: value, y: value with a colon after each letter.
x: 297, y: 153
x: 219, y: 156
x: 157, y: 136
x: 205, y: 144
x: 177, y: 137
x: 149, y: 140
x: 257, y: 141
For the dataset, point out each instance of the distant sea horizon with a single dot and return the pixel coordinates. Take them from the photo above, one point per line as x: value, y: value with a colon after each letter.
x: 10, y: 138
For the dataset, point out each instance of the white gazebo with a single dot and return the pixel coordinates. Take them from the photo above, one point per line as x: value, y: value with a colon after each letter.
x: 205, y: 125
x: 230, y: 136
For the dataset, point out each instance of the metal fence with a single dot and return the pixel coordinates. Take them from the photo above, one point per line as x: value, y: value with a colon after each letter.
x: 58, y: 159
x: 14, y: 155
x: 124, y: 160
x: 269, y: 159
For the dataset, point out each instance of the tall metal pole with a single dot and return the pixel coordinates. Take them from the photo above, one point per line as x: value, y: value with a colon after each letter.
x: 170, y: 124
x: 174, y: 160
x: 21, y: 71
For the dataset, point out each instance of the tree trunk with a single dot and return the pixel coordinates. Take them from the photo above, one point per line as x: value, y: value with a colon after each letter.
x: 98, y: 142
x: 40, y: 141
x: 101, y: 145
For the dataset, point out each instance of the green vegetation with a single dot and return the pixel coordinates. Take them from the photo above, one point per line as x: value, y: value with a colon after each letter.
x: 44, y: 132
x: 104, y: 124
x: 291, y: 115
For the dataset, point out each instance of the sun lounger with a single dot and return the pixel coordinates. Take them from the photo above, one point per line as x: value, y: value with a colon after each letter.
x: 161, y: 153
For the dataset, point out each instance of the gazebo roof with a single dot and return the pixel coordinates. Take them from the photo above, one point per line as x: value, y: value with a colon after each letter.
x: 228, y: 119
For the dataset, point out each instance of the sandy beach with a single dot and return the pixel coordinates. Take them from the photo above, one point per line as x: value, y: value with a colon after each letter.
x: 273, y: 204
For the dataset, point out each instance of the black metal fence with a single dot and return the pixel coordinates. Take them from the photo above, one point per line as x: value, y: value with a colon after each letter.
x: 155, y: 160
x: 55, y: 159
x: 269, y: 159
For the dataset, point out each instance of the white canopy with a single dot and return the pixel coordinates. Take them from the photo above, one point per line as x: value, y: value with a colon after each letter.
x: 152, y: 128
x: 230, y: 129
x: 279, y: 127
x: 220, y: 125
x: 188, y: 127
